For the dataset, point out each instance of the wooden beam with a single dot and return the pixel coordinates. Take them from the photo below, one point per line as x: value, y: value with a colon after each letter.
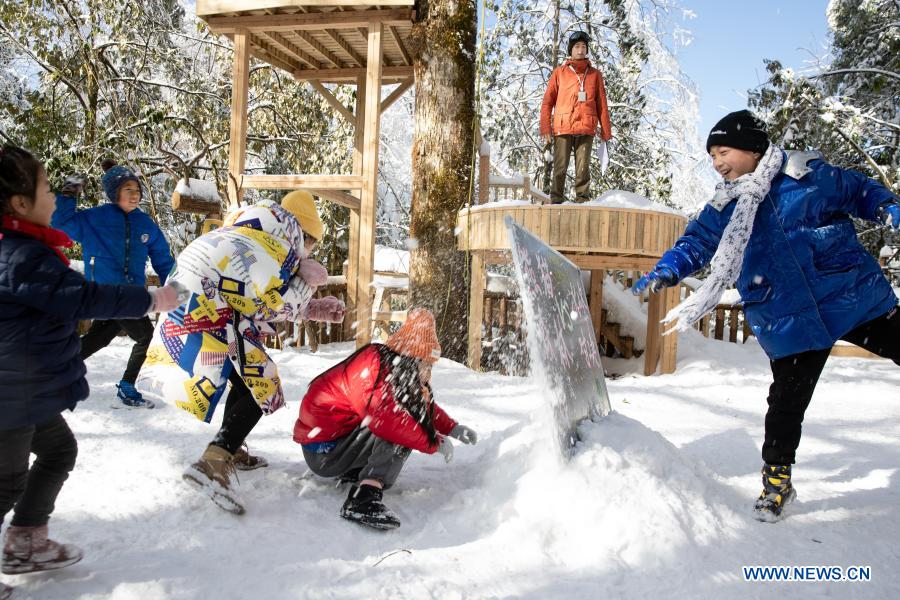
x: 237, y: 147
x: 395, y: 95
x: 603, y: 261
x: 334, y: 102
x: 340, y: 198
x: 337, y: 75
x: 319, y: 48
x: 283, y: 44
x: 217, y: 7
x: 369, y: 196
x: 293, y: 181
x: 346, y: 47
x: 353, y: 250
x: 311, y: 21
x: 476, y: 311
x: 407, y: 59
x: 669, y: 344
x: 654, y: 332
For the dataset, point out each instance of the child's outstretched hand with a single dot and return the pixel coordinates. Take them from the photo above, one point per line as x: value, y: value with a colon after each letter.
x: 889, y: 214
x: 655, y: 280
x: 445, y: 447
x: 464, y: 434
x: 73, y: 185
x: 313, y: 273
x: 169, y: 297
x: 328, y: 309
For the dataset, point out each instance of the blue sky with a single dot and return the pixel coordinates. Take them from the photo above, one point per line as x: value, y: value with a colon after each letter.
x: 731, y: 39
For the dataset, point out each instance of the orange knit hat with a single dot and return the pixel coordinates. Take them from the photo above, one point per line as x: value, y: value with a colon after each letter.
x: 417, y: 337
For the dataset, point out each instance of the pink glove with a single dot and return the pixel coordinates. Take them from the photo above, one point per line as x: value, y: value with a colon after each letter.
x: 169, y: 297
x: 328, y: 309
x: 313, y: 273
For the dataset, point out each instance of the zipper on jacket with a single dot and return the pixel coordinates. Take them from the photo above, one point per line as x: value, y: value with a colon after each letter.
x: 127, y: 245
x: 92, y: 267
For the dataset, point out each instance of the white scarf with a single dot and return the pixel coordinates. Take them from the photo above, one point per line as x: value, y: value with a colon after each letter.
x: 749, y: 189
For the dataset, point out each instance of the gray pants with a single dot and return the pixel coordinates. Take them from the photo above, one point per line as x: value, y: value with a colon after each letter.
x: 563, y: 146
x: 362, y: 451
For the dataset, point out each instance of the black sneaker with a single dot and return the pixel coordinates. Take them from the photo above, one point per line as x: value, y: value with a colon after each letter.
x: 364, y: 506
x: 351, y: 476
x: 777, y: 493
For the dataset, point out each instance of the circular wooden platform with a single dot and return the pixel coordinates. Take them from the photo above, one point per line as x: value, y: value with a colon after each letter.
x: 573, y: 229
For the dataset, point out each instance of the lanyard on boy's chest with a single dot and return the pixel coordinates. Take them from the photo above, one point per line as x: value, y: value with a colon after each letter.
x: 582, y: 97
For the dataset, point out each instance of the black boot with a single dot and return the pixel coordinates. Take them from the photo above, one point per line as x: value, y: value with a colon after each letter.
x: 777, y: 493
x: 364, y: 506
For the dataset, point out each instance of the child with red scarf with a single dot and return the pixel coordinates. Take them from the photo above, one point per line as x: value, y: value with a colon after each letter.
x: 41, y: 302
x: 361, y: 419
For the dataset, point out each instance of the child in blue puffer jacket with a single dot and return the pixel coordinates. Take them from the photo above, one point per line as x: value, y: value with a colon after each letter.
x: 117, y: 238
x: 41, y: 301
x: 779, y: 226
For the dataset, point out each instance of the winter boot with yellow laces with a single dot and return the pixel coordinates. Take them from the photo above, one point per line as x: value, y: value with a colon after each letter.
x: 777, y: 493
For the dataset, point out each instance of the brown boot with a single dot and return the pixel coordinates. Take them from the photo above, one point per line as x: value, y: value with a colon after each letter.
x: 27, y: 549
x: 244, y: 461
x: 212, y: 475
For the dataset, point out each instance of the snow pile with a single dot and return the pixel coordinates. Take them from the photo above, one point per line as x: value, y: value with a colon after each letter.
x: 623, y: 199
x: 198, y: 189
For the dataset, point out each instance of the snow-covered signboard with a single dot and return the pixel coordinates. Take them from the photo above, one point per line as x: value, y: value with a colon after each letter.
x: 561, y: 341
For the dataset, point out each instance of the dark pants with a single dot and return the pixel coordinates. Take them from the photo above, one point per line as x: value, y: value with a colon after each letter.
x: 242, y: 413
x: 795, y: 378
x: 32, y: 492
x: 363, y: 451
x: 102, y: 333
x: 563, y: 146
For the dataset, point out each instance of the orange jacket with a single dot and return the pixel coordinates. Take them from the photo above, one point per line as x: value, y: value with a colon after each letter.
x: 571, y: 117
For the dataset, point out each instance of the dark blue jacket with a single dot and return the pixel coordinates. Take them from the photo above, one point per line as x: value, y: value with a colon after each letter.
x: 115, y: 244
x: 41, y: 301
x: 806, y: 280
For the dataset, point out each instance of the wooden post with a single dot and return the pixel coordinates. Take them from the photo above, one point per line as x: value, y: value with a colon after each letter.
x: 484, y: 178
x: 733, y: 325
x: 353, y: 245
x: 595, y: 301
x: 476, y: 310
x: 488, y: 316
x: 654, y: 333
x: 237, y: 147
x: 669, y: 345
x: 371, y: 138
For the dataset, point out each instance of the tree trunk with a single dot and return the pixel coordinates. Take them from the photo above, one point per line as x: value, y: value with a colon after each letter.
x: 444, y: 64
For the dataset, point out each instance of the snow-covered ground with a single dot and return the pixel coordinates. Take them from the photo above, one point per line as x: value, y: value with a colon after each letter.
x: 654, y: 504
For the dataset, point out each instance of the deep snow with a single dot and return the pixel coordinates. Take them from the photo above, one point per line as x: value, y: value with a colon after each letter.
x: 655, y: 503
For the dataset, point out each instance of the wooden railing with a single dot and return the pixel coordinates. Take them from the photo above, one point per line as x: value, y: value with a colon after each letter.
x: 493, y: 187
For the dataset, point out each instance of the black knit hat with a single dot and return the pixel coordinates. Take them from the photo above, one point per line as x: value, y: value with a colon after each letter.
x: 740, y: 130
x: 578, y: 36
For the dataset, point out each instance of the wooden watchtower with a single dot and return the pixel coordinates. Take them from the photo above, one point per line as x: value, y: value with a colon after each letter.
x: 323, y: 41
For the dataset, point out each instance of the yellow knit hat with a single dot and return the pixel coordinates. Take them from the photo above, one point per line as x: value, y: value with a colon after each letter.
x: 300, y: 203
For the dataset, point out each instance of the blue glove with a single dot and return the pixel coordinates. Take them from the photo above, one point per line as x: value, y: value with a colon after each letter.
x: 655, y: 280
x: 889, y: 214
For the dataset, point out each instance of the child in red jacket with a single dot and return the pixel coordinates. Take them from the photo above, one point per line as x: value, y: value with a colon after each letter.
x: 360, y: 419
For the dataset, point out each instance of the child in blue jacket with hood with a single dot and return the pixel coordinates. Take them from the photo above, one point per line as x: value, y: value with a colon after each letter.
x: 779, y: 226
x: 41, y: 301
x: 117, y: 238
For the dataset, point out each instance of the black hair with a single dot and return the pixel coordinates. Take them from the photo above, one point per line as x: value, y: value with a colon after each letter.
x: 19, y: 173
x: 402, y: 373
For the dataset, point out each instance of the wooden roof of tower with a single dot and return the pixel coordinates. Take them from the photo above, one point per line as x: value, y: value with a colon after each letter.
x: 323, y: 41
x: 317, y: 40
